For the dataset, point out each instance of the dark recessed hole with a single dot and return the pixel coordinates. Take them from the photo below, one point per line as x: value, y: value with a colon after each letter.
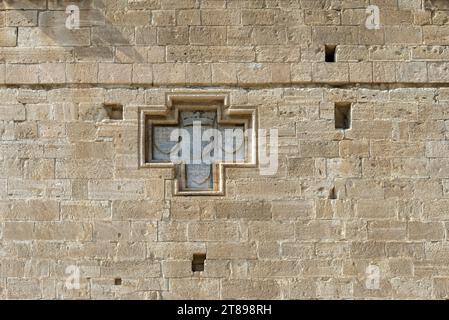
x: 118, y: 281
x: 114, y: 111
x: 332, y: 194
x: 198, y: 262
x: 342, y: 115
x: 329, y: 51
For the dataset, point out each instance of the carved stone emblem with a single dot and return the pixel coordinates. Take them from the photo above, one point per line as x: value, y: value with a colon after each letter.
x: 198, y: 135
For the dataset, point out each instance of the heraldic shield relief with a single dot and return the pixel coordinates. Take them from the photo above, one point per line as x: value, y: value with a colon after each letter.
x: 198, y: 136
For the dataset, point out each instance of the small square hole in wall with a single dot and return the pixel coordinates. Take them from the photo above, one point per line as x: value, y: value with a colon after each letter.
x: 332, y: 194
x: 198, y: 262
x: 342, y: 115
x: 114, y: 111
x: 118, y: 281
x: 329, y: 51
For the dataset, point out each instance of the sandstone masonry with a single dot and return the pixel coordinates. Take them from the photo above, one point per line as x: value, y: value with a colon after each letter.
x: 72, y: 192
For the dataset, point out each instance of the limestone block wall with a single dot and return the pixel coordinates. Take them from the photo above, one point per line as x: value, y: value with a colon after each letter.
x: 72, y: 192
x: 222, y: 42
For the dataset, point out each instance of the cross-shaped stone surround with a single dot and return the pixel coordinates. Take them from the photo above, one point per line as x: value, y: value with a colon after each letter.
x: 185, y: 111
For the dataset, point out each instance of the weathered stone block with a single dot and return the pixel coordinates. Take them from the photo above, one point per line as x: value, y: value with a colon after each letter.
x: 271, y: 231
x: 22, y: 73
x: 137, y: 210
x: 429, y: 231
x: 114, y: 73
x: 12, y: 112
x: 213, y: 231
x: 251, y: 289
x: 193, y: 289
x: 116, y: 190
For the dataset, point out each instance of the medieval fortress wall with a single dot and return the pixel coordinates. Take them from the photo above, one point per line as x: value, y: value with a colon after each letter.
x: 350, y: 213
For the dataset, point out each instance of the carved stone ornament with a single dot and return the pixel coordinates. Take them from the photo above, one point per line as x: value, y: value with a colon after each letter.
x: 179, y: 136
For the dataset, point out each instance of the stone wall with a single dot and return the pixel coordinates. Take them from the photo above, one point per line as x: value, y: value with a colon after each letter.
x: 72, y: 192
x: 222, y: 42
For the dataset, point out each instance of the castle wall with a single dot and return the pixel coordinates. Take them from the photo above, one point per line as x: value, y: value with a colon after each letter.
x: 72, y: 194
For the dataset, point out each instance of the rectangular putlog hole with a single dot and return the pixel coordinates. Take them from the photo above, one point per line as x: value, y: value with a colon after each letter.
x: 329, y: 51
x: 342, y: 115
x: 198, y: 262
x: 114, y: 111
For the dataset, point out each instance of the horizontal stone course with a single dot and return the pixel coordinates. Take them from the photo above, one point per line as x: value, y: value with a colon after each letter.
x: 244, y: 69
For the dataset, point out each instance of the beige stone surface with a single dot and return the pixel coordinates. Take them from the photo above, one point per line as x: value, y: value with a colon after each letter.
x: 72, y: 192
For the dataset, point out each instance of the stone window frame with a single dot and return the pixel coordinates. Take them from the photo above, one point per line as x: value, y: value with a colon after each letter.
x: 168, y: 114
